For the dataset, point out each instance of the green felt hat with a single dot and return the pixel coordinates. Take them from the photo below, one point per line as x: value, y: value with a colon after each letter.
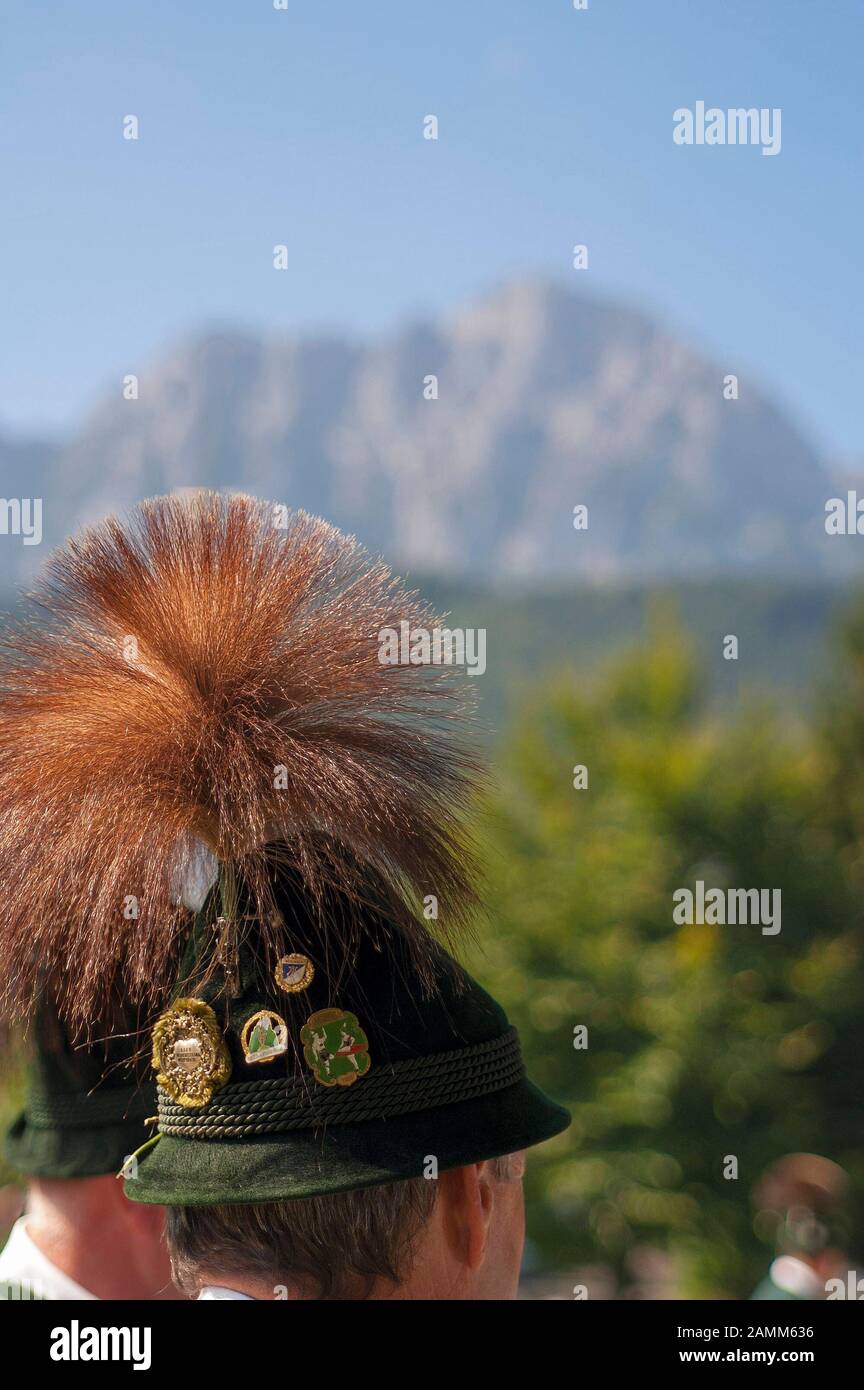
x: 342, y: 1064
x: 84, y: 1110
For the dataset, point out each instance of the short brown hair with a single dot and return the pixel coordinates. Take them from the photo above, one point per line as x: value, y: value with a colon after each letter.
x: 332, y: 1247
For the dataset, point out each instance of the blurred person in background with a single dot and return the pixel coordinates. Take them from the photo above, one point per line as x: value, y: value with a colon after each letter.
x: 802, y: 1194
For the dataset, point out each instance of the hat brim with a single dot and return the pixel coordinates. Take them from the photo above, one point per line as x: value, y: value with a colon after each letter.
x: 66, y: 1153
x: 311, y: 1163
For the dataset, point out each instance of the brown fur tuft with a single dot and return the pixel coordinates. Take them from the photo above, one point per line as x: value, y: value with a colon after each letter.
x: 186, y: 654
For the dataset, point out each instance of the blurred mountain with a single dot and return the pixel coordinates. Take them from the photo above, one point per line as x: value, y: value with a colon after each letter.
x: 26, y: 466
x: 546, y: 399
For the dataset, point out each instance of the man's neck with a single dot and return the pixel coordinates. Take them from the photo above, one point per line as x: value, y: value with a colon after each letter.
x: 81, y: 1226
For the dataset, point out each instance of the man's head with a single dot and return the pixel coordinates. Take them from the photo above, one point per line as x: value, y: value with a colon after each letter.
x: 86, y: 1098
x: 83, y: 1116
x: 216, y: 686
x: 457, y: 1236
x: 432, y: 1080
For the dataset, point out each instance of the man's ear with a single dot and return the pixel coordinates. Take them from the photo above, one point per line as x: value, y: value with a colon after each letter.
x: 468, y: 1199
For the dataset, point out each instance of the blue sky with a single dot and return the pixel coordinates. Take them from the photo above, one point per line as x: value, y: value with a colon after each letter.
x: 304, y: 127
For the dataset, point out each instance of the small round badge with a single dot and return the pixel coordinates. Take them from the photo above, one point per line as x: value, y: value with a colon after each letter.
x: 294, y: 972
x: 264, y: 1037
x: 190, y: 1058
x: 335, y: 1047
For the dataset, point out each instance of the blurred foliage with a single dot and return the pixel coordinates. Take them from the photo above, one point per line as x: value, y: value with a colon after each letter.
x: 784, y: 628
x: 11, y: 1096
x: 703, y: 1041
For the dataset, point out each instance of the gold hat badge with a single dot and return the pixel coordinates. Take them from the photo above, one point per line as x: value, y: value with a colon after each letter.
x: 190, y: 1058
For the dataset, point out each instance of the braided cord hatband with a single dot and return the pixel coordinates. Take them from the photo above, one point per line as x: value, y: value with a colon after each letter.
x: 86, y: 1110
x: 279, y: 1105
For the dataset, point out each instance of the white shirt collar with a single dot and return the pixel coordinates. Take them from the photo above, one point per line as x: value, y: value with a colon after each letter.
x: 214, y: 1292
x: 795, y: 1277
x: 32, y: 1275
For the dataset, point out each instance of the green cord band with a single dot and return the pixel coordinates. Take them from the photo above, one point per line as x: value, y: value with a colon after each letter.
x: 280, y: 1105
